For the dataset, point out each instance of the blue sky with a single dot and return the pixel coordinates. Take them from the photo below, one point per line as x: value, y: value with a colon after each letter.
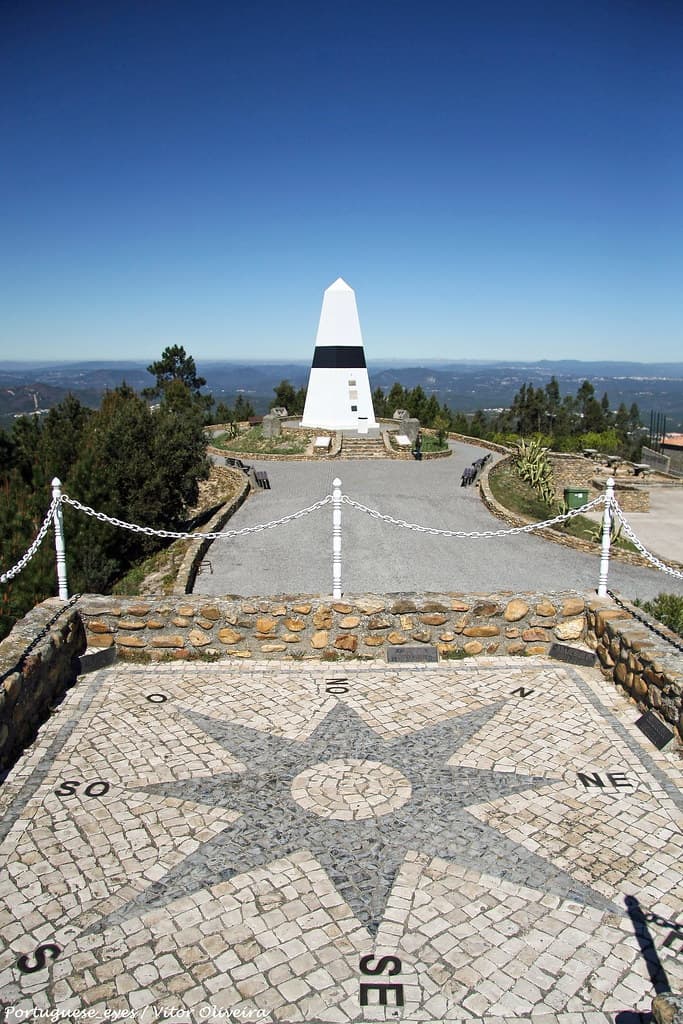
x: 495, y: 179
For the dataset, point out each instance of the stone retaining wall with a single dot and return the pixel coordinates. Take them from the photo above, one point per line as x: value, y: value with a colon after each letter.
x: 578, y: 471
x: 658, y: 461
x: 631, y: 497
x: 638, y: 654
x: 571, y: 470
x: 38, y: 662
x: 302, y: 626
x: 675, y: 456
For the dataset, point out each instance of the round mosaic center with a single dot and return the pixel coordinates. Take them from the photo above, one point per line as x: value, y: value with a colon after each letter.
x: 347, y: 789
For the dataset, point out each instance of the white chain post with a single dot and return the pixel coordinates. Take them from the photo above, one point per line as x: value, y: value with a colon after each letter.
x: 606, y: 538
x: 59, y: 539
x: 336, y: 538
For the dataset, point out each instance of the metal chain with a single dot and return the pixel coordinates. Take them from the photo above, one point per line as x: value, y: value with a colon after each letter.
x: 433, y: 532
x: 628, y: 530
x: 184, y: 535
x: 373, y: 513
x: 28, y: 555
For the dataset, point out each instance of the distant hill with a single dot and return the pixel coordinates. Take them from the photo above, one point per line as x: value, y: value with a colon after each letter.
x: 463, y: 385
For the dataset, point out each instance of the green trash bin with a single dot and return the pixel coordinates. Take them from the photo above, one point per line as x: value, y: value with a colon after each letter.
x: 575, y: 497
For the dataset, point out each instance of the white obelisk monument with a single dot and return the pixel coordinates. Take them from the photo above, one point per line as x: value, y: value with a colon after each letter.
x: 338, y: 396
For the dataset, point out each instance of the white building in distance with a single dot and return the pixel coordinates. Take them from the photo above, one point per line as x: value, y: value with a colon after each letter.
x: 338, y: 396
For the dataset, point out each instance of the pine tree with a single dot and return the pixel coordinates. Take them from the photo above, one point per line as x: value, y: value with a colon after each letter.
x: 174, y: 365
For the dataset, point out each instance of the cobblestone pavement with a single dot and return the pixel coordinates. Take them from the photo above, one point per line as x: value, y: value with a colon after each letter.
x: 379, y: 558
x: 479, y: 841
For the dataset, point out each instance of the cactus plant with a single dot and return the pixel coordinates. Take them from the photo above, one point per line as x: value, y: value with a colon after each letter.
x: 533, y: 465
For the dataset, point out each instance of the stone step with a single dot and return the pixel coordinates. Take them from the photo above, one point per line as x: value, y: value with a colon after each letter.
x: 363, y: 448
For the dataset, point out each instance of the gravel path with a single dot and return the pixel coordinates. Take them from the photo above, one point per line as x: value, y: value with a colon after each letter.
x: 380, y: 558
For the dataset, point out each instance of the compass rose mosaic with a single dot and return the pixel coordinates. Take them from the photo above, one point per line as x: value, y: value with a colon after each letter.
x: 283, y: 843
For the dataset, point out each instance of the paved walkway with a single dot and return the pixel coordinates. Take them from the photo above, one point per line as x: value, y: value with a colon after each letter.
x: 492, y: 841
x: 380, y: 558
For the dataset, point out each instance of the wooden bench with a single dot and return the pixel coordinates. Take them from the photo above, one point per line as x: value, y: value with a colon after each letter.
x: 205, y: 566
x: 238, y: 464
x: 261, y: 478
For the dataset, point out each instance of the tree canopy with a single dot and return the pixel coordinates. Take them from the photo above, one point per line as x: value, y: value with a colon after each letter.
x: 131, y: 462
x: 290, y: 399
x: 567, y: 423
x: 174, y: 365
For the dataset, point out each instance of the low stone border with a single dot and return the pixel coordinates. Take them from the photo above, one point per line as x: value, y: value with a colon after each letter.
x: 261, y: 456
x: 187, y: 573
x: 436, y: 455
x: 38, y: 662
x: 480, y: 443
x: 305, y: 626
x: 641, y: 656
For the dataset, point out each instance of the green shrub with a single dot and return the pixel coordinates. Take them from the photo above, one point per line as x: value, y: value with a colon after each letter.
x: 668, y: 608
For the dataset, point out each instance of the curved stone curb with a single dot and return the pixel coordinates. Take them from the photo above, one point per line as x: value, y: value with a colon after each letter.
x: 198, y: 548
x: 223, y: 453
x: 479, y: 442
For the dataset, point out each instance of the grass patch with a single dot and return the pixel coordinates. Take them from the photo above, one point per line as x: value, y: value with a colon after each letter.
x: 430, y: 443
x: 252, y: 442
x: 516, y: 494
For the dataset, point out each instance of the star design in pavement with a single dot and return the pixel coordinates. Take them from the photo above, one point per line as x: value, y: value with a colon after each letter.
x: 358, y: 803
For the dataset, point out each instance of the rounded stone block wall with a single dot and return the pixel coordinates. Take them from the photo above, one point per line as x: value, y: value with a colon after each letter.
x: 320, y: 627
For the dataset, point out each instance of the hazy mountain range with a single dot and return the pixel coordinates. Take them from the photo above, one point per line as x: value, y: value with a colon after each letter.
x: 463, y: 385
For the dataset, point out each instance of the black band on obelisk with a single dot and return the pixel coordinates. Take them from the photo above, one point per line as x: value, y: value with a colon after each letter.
x: 339, y: 357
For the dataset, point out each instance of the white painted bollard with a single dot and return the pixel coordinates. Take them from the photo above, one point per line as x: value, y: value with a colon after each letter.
x: 59, y: 541
x: 606, y: 538
x: 336, y: 538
